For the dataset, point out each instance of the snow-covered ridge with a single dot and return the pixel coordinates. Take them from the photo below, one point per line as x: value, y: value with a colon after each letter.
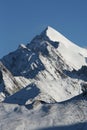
x: 57, y: 36
x: 36, y: 77
x: 73, y: 55
x: 44, y: 62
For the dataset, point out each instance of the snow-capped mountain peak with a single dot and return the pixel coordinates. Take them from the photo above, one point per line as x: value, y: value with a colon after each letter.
x: 39, y: 75
x: 73, y: 55
x: 44, y: 61
x: 56, y: 36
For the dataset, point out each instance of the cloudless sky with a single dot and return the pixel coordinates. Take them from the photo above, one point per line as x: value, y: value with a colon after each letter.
x: 21, y: 20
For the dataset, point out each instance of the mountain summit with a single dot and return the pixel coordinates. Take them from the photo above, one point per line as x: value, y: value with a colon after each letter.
x: 36, y: 77
x: 73, y: 55
x: 45, y: 62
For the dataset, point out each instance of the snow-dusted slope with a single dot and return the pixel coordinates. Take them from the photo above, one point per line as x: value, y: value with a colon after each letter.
x: 8, y: 84
x: 70, y: 115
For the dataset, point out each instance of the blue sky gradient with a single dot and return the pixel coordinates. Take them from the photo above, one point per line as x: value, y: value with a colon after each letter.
x: 21, y: 20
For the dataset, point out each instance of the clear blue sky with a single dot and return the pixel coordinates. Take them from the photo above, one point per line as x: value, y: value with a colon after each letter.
x: 21, y: 20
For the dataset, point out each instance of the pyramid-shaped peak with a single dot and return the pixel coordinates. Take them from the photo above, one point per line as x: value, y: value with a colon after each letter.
x: 49, y: 28
x: 54, y: 35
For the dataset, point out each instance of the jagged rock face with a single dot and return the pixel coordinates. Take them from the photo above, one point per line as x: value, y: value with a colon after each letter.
x: 35, y: 77
x: 23, y: 62
x: 1, y: 77
x: 28, y: 61
x: 83, y: 71
x: 8, y: 84
x: 44, y: 62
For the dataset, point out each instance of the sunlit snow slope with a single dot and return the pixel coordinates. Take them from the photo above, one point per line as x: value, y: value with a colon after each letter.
x: 73, y: 54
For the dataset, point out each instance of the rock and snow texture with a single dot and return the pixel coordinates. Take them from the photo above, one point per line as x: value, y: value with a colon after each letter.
x: 44, y: 62
x: 69, y: 115
x: 8, y: 84
x: 44, y: 71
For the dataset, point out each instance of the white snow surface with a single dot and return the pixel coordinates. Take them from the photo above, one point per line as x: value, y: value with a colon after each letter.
x: 73, y: 54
